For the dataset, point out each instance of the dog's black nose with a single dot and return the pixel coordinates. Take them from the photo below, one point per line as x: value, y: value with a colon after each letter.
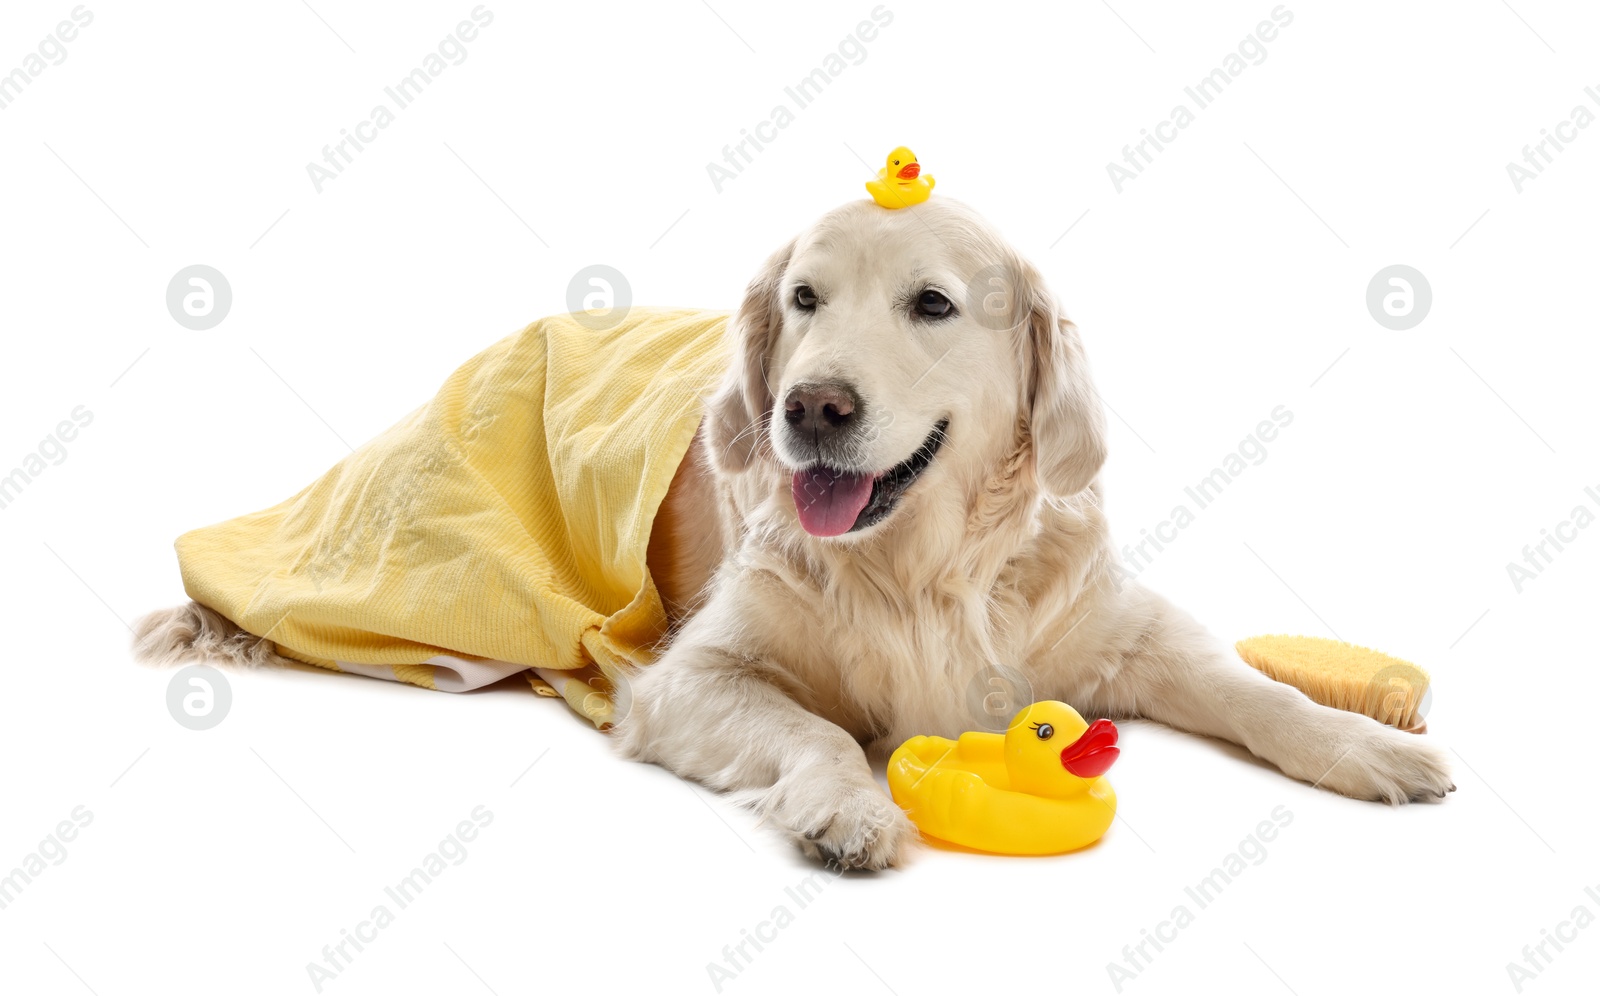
x: 817, y: 411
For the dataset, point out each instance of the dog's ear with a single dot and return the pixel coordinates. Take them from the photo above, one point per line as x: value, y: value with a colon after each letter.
x: 739, y: 409
x: 1064, y: 411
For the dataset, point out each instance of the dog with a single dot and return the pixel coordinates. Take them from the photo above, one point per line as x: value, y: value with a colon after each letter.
x: 892, y: 505
x: 889, y: 520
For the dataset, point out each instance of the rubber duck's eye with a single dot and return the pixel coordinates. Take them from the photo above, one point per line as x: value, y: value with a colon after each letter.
x: 897, y: 162
x: 805, y: 298
x: 932, y: 304
x: 1045, y: 731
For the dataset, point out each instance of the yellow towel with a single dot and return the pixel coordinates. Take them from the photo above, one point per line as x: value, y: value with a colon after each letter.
x: 500, y: 527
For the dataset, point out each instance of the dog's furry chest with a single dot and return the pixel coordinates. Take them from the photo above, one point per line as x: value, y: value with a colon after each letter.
x: 934, y: 629
x: 924, y: 661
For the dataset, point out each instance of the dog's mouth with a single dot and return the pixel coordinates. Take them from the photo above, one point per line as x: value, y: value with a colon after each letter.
x: 833, y: 502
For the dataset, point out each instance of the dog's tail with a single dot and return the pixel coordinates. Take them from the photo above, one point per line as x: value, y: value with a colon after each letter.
x: 193, y: 633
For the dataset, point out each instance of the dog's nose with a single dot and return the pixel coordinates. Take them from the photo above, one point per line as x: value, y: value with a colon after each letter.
x: 817, y: 411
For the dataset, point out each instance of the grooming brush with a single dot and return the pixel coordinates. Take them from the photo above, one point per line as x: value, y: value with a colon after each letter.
x: 1342, y: 675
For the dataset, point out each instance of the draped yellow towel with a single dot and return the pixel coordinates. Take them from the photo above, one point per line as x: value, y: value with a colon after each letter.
x: 501, y: 527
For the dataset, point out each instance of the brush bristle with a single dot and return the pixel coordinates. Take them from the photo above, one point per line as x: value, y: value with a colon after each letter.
x: 1342, y: 675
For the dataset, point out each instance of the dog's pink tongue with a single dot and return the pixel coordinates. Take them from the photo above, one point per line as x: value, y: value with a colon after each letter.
x: 829, y: 501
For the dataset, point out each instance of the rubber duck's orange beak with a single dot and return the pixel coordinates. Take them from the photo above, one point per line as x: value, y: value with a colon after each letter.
x: 910, y: 171
x: 1092, y: 754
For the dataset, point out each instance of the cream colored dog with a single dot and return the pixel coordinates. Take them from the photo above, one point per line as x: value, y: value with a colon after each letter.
x: 889, y: 525
x: 890, y: 514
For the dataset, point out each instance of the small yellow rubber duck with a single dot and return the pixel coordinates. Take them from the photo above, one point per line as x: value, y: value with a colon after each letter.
x: 1037, y: 789
x: 901, y: 182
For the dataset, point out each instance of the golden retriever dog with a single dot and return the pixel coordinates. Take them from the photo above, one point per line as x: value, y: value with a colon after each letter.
x: 892, y: 510
x: 889, y: 524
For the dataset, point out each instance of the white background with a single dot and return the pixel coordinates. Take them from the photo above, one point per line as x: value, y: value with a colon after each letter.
x: 1226, y: 280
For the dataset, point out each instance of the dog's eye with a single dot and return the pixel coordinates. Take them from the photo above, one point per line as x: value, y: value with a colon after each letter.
x: 1045, y: 731
x: 932, y: 304
x: 805, y: 298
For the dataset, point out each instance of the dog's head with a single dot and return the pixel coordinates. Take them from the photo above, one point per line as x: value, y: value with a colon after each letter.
x: 885, y: 358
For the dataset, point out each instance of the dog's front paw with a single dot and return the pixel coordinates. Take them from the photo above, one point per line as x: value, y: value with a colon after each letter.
x: 840, y: 820
x: 1367, y: 760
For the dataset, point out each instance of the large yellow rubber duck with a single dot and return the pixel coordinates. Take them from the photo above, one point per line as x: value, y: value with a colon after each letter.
x: 1037, y: 789
x: 901, y: 182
